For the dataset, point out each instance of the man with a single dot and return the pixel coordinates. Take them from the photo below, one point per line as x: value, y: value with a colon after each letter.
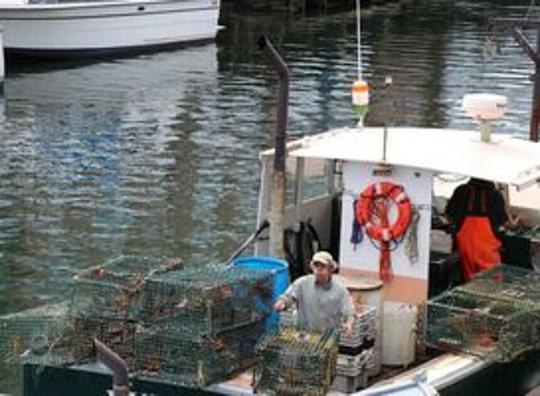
x: 323, y: 302
x: 477, y: 210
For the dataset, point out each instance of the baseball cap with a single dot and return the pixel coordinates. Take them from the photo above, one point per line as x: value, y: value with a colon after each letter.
x: 324, y: 258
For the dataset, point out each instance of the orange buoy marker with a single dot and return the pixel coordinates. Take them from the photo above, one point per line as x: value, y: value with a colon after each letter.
x: 360, y: 100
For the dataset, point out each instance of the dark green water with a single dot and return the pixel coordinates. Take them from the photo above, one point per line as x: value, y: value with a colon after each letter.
x: 159, y: 152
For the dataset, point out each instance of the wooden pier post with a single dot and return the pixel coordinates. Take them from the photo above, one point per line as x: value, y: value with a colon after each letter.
x: 277, y: 199
x: 515, y: 25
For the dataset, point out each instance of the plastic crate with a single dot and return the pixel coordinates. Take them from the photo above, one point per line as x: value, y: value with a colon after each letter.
x: 349, y: 384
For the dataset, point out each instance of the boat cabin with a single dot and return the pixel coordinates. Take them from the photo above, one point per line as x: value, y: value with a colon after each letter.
x: 427, y: 163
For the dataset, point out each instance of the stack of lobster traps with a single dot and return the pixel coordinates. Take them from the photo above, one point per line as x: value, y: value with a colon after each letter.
x: 496, y: 316
x: 201, y: 324
x: 293, y: 362
x: 184, y: 325
x: 106, y: 302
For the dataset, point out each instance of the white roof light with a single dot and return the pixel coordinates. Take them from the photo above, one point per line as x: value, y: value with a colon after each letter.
x: 484, y: 106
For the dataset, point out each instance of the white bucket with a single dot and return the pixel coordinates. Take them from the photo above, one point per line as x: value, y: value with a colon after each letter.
x: 399, y: 333
x: 365, y: 291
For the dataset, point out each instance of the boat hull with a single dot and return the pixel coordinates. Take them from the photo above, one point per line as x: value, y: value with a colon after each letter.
x: 81, y: 28
x: 510, y: 379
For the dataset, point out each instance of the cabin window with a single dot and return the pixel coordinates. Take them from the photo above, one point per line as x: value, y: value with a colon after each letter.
x: 308, y: 178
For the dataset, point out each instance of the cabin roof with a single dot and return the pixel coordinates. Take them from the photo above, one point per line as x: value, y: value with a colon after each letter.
x: 505, y: 159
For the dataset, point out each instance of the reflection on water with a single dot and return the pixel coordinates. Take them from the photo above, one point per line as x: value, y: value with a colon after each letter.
x: 159, y: 152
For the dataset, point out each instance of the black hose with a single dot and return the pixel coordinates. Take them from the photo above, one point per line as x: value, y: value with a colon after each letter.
x: 264, y: 225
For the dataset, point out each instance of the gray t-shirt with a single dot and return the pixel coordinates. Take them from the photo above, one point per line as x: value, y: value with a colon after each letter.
x: 320, y: 307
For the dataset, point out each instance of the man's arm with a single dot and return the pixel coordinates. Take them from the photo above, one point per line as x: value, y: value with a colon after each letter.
x: 289, y: 297
x: 502, y: 214
x: 454, y: 207
x: 348, y: 311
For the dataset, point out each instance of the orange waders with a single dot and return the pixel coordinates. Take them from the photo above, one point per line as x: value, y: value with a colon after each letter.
x: 478, y: 246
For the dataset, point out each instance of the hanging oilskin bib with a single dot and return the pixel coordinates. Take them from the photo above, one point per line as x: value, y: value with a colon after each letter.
x: 373, y: 213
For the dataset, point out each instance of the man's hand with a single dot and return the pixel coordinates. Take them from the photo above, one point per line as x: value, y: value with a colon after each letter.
x: 280, y: 305
x: 514, y: 222
x: 348, y: 326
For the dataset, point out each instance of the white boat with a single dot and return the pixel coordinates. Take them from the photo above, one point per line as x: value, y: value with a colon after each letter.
x: 58, y: 29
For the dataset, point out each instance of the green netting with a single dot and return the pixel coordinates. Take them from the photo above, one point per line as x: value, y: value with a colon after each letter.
x: 525, y: 232
x: 42, y: 336
x: 114, y: 290
x: 295, y: 362
x: 41, y: 332
x: 165, y: 355
x: 207, y: 299
x: 485, y: 327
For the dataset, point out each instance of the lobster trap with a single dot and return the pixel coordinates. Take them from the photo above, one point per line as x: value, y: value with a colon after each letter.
x: 119, y: 335
x: 510, y: 284
x: 208, y: 299
x: 40, y: 335
x: 113, y: 290
x: 296, y: 363
x: 169, y: 356
x: 486, y: 327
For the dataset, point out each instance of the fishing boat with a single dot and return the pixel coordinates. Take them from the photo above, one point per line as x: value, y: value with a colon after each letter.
x: 345, y: 164
x: 80, y: 28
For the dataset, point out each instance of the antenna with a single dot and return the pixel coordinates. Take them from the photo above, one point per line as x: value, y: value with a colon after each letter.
x: 360, y: 91
x: 359, y: 39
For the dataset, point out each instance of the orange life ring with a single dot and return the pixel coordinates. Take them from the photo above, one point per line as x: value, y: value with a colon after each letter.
x: 364, y: 210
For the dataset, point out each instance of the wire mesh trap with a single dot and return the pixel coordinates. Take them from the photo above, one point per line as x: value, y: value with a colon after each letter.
x: 119, y: 335
x: 513, y: 285
x: 295, y: 362
x: 485, y: 327
x: 165, y: 355
x: 41, y: 336
x: 114, y: 290
x: 208, y: 299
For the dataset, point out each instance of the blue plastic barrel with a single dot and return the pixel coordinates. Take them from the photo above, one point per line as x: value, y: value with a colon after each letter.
x: 280, y: 270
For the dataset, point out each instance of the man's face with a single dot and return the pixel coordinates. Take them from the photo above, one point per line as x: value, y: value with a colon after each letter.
x: 322, y: 273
